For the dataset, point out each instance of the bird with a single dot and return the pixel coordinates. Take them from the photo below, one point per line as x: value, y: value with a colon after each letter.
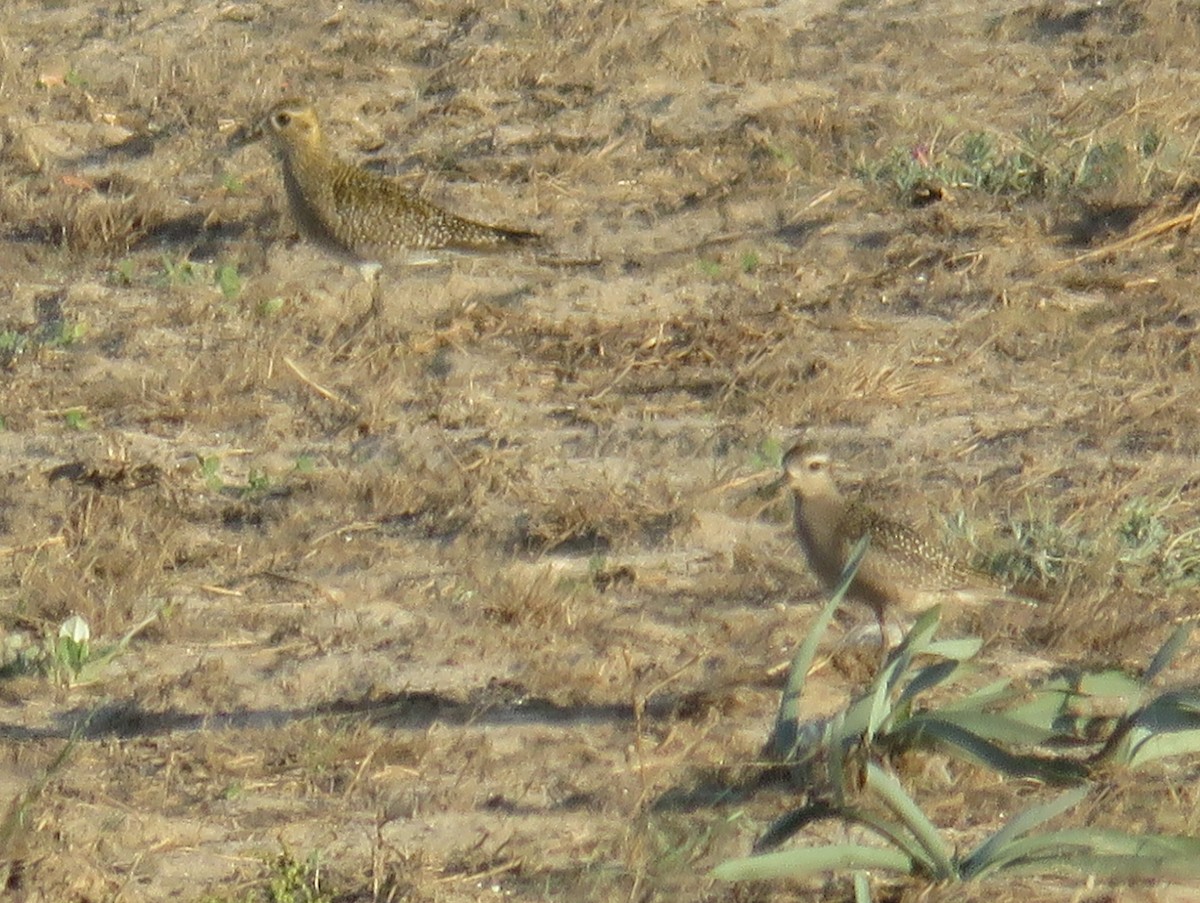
x: 359, y: 214
x: 900, y: 569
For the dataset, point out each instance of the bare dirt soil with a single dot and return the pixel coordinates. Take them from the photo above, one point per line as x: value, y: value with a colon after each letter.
x: 477, y: 598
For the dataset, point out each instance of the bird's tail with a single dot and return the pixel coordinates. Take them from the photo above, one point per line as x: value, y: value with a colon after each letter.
x: 473, y: 235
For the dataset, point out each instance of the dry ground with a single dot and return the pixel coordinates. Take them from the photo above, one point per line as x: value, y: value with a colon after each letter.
x: 476, y: 599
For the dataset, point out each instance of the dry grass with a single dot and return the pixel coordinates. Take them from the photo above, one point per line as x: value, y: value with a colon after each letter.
x: 478, y: 592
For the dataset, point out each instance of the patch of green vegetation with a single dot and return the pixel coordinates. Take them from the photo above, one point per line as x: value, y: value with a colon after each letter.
x: 63, y: 334
x: 210, y: 470
x: 233, y: 183
x: 73, y: 649
x: 1145, y: 537
x: 768, y: 455
x: 76, y: 419
x: 842, y: 765
x: 179, y: 272
x: 271, y: 307
x: 596, y: 565
x: 122, y: 273
x: 1150, y: 142
x: 750, y: 262
x: 710, y: 268
x: 13, y: 344
x: 1102, y: 164
x: 784, y: 157
x: 233, y: 791
x: 228, y: 281
x: 182, y: 273
x: 1039, y: 549
x: 258, y: 483
x: 292, y: 881
x: 1141, y: 531
x: 68, y: 656
x: 52, y: 333
x: 288, y: 881
x: 1036, y: 163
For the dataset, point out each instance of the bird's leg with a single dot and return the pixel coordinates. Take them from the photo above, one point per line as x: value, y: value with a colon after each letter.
x: 884, y: 646
x: 374, y: 314
x: 370, y: 272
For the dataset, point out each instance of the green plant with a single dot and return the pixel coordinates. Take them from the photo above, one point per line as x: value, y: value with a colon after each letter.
x: 1141, y: 531
x: 1039, y: 549
x: 210, y: 470
x: 62, y: 334
x: 228, y: 281
x: 784, y: 157
x: 1101, y: 164
x: 70, y: 654
x: 13, y: 344
x: 913, y: 845
x: 768, y: 454
x: 178, y: 272
x: 76, y: 419
x: 72, y: 651
x: 1145, y: 536
x: 258, y: 482
x: 233, y: 183
x: 1036, y: 161
x: 271, y: 307
x: 1015, y: 732
x: 123, y: 272
x: 288, y: 881
x: 1150, y: 141
x: 887, y: 716
x: 292, y: 881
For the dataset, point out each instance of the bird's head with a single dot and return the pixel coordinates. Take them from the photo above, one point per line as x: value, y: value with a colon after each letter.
x: 806, y: 471
x: 293, y: 126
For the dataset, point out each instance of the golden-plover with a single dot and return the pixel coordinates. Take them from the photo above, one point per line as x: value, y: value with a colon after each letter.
x: 900, y: 569
x: 362, y: 214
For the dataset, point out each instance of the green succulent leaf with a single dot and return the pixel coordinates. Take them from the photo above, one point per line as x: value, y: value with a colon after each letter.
x: 937, y: 855
x: 1166, y: 654
x: 786, y: 735
x: 987, y: 854
x: 1056, y: 770
x: 1108, y: 853
x: 814, y: 860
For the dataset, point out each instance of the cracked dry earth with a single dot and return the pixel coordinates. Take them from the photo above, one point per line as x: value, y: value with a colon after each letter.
x: 479, y: 597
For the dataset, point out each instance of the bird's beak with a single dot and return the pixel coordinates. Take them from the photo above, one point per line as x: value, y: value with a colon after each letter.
x: 772, y: 489
x: 247, y: 133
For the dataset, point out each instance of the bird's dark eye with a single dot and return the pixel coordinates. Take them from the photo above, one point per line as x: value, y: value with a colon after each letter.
x: 815, y: 466
x: 282, y: 119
